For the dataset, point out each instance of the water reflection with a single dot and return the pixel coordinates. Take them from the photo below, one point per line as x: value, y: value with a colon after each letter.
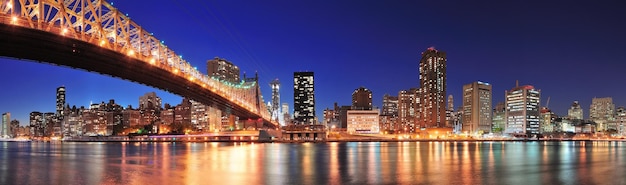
x: 314, y: 163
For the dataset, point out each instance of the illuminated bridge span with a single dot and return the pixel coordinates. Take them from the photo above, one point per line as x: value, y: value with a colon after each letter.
x: 93, y: 35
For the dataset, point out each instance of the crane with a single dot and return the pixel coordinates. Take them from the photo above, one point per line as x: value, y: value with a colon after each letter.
x: 548, y: 102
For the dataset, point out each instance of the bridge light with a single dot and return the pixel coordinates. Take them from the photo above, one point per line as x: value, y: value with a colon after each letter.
x: 190, y: 78
x: 14, y: 19
x: 131, y: 52
x: 152, y: 61
x: 102, y: 42
x: 9, y: 5
x: 175, y: 71
x: 64, y: 31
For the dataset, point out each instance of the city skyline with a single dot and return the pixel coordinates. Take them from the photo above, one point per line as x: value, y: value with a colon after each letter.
x: 289, y: 37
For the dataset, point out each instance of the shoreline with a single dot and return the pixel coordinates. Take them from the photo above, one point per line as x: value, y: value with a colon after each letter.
x: 319, y: 141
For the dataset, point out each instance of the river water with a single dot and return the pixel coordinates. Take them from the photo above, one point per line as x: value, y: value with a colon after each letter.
x: 568, y: 162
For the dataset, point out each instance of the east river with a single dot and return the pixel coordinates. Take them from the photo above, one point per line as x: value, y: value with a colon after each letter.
x: 567, y: 162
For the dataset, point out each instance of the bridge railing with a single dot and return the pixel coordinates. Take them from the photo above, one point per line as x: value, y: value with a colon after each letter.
x: 100, y: 23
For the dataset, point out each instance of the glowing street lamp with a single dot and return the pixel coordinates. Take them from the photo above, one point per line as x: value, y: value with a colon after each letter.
x: 14, y: 19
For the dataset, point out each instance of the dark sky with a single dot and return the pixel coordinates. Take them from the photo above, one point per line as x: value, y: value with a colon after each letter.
x: 570, y: 51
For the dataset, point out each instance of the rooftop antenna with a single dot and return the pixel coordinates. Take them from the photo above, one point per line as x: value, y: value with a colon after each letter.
x: 516, y: 83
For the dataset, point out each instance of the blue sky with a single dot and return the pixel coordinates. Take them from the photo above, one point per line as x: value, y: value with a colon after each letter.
x: 572, y: 51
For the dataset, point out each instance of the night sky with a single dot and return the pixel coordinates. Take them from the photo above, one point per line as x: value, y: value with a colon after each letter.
x: 572, y: 51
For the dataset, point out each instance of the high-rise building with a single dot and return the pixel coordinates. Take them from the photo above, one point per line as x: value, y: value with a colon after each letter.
x: 5, y: 125
x: 14, y: 127
x: 498, y: 120
x: 285, y: 113
x: 477, y: 107
x: 602, y: 112
x: 575, y: 111
x: 222, y: 69
x: 433, y: 88
x: 522, y: 110
x: 37, y: 126
x: 182, y: 112
x: 150, y: 107
x: 60, y: 102
x: 390, y: 105
x: 362, y: 99
x: 199, y: 115
x: 408, y: 110
x: 276, y: 113
x: 620, y: 120
x: 304, y: 98
x: 149, y: 101
x: 547, y: 121
x: 450, y: 116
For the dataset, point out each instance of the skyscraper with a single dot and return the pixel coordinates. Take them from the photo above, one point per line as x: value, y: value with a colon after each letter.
x: 477, y: 107
x: 390, y: 105
x: 5, y: 125
x: 222, y: 69
x: 60, y: 102
x: 408, y: 109
x: 602, y: 111
x: 362, y: 99
x: 433, y: 88
x: 276, y: 114
x: 304, y: 98
x: 575, y: 111
x: 522, y: 110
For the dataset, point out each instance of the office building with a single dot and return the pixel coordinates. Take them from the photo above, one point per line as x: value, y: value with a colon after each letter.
x: 498, y: 120
x: 477, y: 108
x: 5, y: 125
x: 602, y: 112
x: 224, y: 70
x: 304, y: 98
x: 362, y: 99
x: 433, y: 88
x: 575, y: 111
x: 522, y: 110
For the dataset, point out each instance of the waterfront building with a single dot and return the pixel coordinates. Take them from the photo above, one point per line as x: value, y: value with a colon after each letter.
x: 477, y: 108
x: 575, y: 111
x: 620, y: 119
x: 450, y: 112
x: 433, y: 88
x: 37, y: 126
x: 389, y: 114
x: 363, y: 122
x: 60, y: 102
x: 5, y: 125
x: 182, y: 112
x: 304, y: 98
x: 547, y: 121
x: 224, y: 70
x: 498, y: 121
x: 199, y: 115
x: 362, y: 99
x: 72, y: 122
x: 602, y: 112
x: 150, y: 107
x: 522, y: 110
x: 390, y: 105
x: 132, y: 118
x: 408, y: 110
x: 14, y: 127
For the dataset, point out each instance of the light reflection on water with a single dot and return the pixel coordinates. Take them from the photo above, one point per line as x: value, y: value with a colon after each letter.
x: 314, y: 163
